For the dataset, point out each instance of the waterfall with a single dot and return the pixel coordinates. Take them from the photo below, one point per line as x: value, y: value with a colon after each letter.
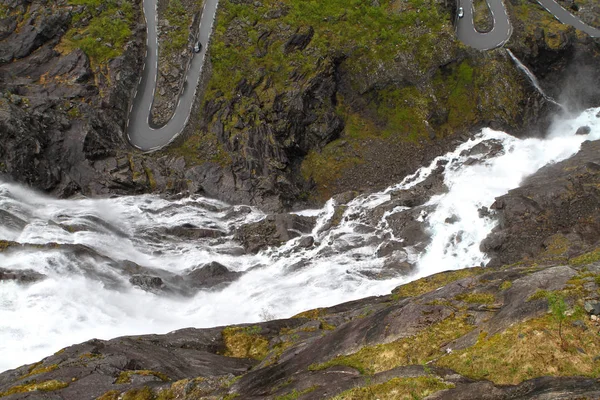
x: 532, y: 79
x: 83, y: 256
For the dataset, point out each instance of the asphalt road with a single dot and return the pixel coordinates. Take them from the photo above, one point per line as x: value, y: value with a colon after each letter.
x: 567, y: 18
x: 502, y: 29
x: 142, y: 135
x: 139, y: 130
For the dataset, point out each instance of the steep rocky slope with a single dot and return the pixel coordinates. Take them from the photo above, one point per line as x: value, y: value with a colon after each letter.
x: 552, y: 215
x: 494, y: 333
x: 298, y: 104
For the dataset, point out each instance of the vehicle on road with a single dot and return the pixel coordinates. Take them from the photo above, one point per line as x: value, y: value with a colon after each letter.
x: 461, y: 12
x: 197, y: 47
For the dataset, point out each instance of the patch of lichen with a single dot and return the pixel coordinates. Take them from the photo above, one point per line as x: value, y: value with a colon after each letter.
x: 397, y: 389
x: 45, y: 386
x: 245, y: 342
x: 100, y: 28
x: 528, y: 350
x: 125, y: 376
x: 421, y: 348
x: 427, y: 284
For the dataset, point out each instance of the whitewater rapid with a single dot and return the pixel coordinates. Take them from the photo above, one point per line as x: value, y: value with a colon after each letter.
x: 85, y: 296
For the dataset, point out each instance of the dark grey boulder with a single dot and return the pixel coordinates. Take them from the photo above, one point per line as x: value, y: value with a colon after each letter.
x: 273, y: 231
x: 210, y: 275
x: 21, y: 276
x: 583, y: 130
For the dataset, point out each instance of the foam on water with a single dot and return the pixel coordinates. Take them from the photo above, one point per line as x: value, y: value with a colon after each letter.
x: 79, y: 299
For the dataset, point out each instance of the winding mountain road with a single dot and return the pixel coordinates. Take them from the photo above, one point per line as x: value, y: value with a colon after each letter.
x: 502, y: 29
x: 140, y: 132
x: 146, y: 137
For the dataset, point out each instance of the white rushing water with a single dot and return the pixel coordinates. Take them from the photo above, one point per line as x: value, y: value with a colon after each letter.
x: 87, y: 294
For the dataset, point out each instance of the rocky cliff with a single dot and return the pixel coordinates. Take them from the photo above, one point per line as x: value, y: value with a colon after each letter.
x: 298, y: 104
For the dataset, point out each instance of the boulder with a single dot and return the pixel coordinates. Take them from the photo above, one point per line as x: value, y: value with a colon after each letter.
x: 20, y: 276
x: 210, y: 275
x: 583, y: 130
x: 273, y: 231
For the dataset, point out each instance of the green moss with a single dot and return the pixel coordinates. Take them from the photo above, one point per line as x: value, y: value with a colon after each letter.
x: 45, y: 386
x: 427, y: 284
x: 38, y: 368
x: 505, y: 285
x: 294, y: 394
x: 418, y: 349
x: 125, y: 376
x: 397, y: 389
x: 584, y: 259
x: 245, y: 343
x: 476, y: 298
x: 528, y: 350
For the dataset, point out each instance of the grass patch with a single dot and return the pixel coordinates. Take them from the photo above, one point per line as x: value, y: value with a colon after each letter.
x: 527, y: 350
x: 421, y: 348
x: 427, y: 284
x: 179, y: 22
x: 45, y: 386
x: 245, y: 343
x: 505, y: 285
x: 397, y: 389
x: 100, y: 29
x: 587, y: 258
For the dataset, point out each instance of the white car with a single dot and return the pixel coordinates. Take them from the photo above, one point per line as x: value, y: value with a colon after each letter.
x: 197, y: 47
x: 461, y: 12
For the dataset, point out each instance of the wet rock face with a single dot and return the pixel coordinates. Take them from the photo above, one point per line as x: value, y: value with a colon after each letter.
x: 217, y: 362
x: 273, y: 231
x: 553, y: 213
x: 20, y: 276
